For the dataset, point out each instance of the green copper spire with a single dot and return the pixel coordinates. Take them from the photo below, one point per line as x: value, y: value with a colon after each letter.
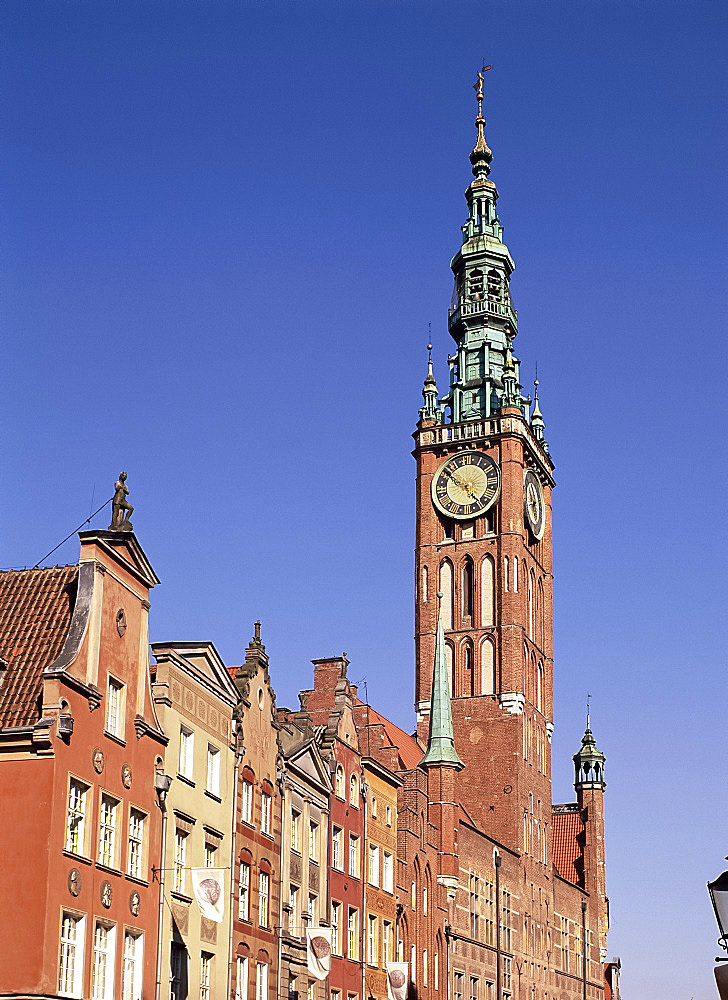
x: 482, y: 320
x: 589, y: 762
x: 441, y: 741
x: 431, y: 409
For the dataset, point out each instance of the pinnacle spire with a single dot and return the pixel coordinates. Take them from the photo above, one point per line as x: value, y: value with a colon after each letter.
x: 430, y: 410
x: 481, y: 155
x: 441, y: 740
x: 589, y: 760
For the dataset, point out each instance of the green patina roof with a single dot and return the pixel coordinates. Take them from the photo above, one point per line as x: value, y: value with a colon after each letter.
x: 440, y: 740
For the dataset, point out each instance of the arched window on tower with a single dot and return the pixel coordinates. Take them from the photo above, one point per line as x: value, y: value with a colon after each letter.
x: 424, y: 590
x: 449, y: 659
x: 487, y: 667
x: 468, y: 589
x: 539, y: 689
x: 467, y: 669
x: 541, y: 616
x: 530, y: 605
x: 475, y: 284
x: 446, y: 590
x: 515, y: 574
x: 487, y: 592
x: 494, y: 285
x: 506, y: 581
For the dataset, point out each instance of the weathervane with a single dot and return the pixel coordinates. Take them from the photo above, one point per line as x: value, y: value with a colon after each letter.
x: 478, y: 86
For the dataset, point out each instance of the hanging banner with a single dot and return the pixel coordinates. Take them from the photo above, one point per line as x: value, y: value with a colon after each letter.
x: 397, y: 980
x: 208, y: 886
x: 318, y: 942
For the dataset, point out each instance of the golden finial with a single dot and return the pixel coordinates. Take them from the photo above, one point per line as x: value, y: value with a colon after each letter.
x: 481, y: 154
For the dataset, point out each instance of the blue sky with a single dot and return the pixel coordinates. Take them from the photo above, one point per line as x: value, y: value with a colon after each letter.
x: 226, y: 229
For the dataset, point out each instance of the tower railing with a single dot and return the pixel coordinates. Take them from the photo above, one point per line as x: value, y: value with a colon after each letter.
x: 477, y: 307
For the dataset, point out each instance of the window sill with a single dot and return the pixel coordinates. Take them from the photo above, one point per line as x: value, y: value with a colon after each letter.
x: 246, y: 822
x: 268, y: 834
x: 186, y: 780
x: 117, y: 739
x: 107, y: 868
x: 181, y: 897
x: 212, y: 795
x: 81, y: 858
x: 136, y: 880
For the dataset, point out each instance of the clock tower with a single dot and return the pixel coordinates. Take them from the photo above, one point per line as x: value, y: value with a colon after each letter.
x: 484, y: 481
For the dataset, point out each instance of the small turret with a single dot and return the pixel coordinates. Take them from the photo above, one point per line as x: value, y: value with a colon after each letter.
x: 537, y: 424
x: 431, y: 410
x: 589, y: 763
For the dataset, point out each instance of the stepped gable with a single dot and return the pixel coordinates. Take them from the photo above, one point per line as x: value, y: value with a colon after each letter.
x: 567, y: 831
x: 36, y: 606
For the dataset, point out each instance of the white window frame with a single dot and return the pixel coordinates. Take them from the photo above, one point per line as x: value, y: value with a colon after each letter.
x: 354, y: 791
x: 186, y: 753
x: 246, y: 802
x: 77, y: 807
x: 108, y: 824
x: 244, y: 891
x: 213, y: 770
x: 294, y: 918
x: 313, y: 829
x: 266, y: 811
x: 180, y: 860
x: 340, y: 790
x: 261, y: 981
x: 354, y: 861
x: 337, y: 849
x: 103, y: 960
x: 206, y: 958
x: 352, y: 927
x: 115, y: 707
x: 387, y: 941
x: 372, y: 940
x: 387, y: 872
x: 71, y: 953
x: 132, y: 969
x: 388, y: 814
x: 177, y: 954
x: 336, y: 908
x: 135, y: 843
x: 373, y: 866
x: 295, y: 830
x: 241, y: 977
x: 264, y: 899
x: 313, y: 908
x: 210, y: 852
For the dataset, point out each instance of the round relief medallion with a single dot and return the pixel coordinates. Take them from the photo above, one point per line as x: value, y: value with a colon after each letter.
x: 106, y: 894
x: 121, y: 621
x: 134, y: 903
x: 126, y: 775
x: 98, y: 760
x: 74, y: 881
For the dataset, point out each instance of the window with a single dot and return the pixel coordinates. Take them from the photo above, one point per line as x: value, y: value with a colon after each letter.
x: 413, y: 963
x: 353, y: 927
x: 424, y: 585
x: 474, y: 889
x: 76, y: 818
x: 177, y: 985
x: 468, y: 589
x: 205, y: 975
x: 414, y: 896
x: 70, y: 969
x: 313, y: 840
x: 374, y: 808
x: 294, y: 917
x: 261, y: 981
x: 372, y: 940
x: 489, y: 913
x: 458, y: 986
x: 210, y: 854
x: 107, y: 831
x: 136, y: 843
x: 436, y: 970
x: 387, y: 872
x: 102, y: 970
x: 373, y: 865
x: 263, y: 899
x: 340, y: 781
x: 388, y: 813
x: 247, y: 802
x: 131, y: 971
x: 424, y: 900
x: 474, y: 988
x: 337, y: 843
x: 311, y: 991
x: 336, y: 927
x: 244, y: 891
x: 353, y: 855
x: 265, y: 813
x: 241, y: 977
x: 515, y: 574
x: 354, y: 792
x: 186, y: 752
x: 387, y: 941
x: 507, y: 976
x: 336, y: 995
x: 506, y: 920
x: 425, y: 971
x: 213, y: 770
x: 114, y: 708
x: 313, y: 908
x: 295, y: 831
x: 180, y: 860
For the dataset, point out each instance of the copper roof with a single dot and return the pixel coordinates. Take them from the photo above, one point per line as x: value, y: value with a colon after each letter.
x: 35, y: 612
x: 568, y: 838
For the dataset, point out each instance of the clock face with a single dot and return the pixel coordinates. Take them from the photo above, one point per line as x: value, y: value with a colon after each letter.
x: 466, y: 485
x: 533, y: 504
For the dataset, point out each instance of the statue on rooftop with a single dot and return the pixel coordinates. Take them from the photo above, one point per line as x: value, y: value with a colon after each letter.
x: 121, y: 509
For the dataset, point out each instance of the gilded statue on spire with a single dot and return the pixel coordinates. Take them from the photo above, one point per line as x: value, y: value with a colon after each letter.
x: 481, y: 154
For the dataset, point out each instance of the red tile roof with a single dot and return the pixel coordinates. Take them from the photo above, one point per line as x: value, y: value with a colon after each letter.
x: 567, y: 836
x: 36, y: 606
x: 410, y: 751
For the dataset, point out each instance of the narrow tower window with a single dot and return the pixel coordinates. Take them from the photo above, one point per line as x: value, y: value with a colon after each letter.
x: 468, y: 674
x: 506, y: 582
x: 530, y: 605
x: 487, y: 592
x: 450, y: 668
x: 468, y: 589
x: 515, y: 574
x: 424, y: 585
x: 494, y: 285
x: 447, y: 593
x: 487, y: 668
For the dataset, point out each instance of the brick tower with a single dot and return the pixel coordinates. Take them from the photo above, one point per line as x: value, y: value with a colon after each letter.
x: 483, y: 539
